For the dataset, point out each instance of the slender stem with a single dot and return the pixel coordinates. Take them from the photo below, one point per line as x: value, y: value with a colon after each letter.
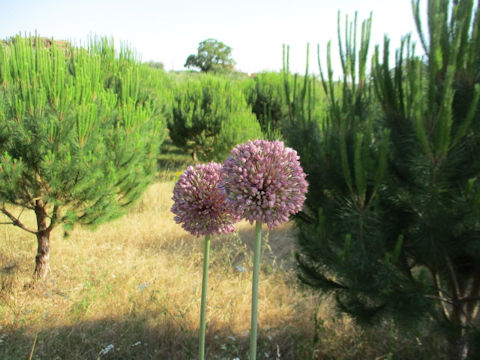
x: 203, y: 308
x: 256, y: 268
x: 33, y: 346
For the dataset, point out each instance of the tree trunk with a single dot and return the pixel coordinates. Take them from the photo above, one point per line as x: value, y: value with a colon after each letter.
x: 458, y: 338
x: 43, y: 240
x: 458, y: 348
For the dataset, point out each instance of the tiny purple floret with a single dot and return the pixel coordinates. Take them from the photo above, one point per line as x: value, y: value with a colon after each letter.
x: 264, y: 181
x: 200, y: 205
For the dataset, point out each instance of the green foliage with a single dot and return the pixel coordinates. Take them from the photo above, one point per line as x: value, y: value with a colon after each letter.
x: 158, y: 88
x: 78, y: 132
x: 391, y: 222
x: 305, y: 101
x: 265, y: 95
x: 306, y: 116
x: 212, y: 56
x: 210, y: 116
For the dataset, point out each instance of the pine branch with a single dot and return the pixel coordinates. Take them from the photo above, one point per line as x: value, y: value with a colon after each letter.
x: 16, y: 221
x: 453, y: 278
x: 469, y: 299
x: 472, y: 307
x: 443, y: 300
x: 475, y: 310
x: 436, y: 280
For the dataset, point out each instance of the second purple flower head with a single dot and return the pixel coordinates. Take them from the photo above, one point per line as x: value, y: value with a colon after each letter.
x: 200, y: 205
x: 265, y: 181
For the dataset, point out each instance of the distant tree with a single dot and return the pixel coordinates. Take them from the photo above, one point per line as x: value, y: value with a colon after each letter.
x: 78, y: 136
x: 212, y: 56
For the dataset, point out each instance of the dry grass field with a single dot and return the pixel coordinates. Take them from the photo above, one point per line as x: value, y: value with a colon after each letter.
x: 131, y: 290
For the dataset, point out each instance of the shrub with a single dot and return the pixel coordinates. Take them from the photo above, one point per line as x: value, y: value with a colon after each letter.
x: 209, y: 116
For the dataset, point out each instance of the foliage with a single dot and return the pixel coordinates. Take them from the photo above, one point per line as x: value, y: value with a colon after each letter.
x: 212, y: 56
x: 305, y: 103
x: 78, y: 137
x: 391, y: 223
x: 210, y: 116
x: 306, y: 116
x: 158, y: 86
x: 265, y: 95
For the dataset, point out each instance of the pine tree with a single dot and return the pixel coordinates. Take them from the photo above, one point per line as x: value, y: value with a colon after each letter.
x: 210, y: 116
x: 77, y: 136
x: 264, y: 93
x: 391, y: 225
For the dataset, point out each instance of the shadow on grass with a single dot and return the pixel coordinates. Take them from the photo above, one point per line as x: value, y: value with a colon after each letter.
x: 141, y: 336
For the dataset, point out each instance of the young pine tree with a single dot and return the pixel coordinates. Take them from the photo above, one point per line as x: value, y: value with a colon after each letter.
x: 392, y: 228
x: 210, y: 116
x: 264, y: 93
x: 78, y: 141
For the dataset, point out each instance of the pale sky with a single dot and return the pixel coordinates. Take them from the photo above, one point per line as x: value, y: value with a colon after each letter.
x: 169, y: 31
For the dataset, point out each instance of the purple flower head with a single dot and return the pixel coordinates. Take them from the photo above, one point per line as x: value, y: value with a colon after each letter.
x: 200, y: 205
x: 264, y: 181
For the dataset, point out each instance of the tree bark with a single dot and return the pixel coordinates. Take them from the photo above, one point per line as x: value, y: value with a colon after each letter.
x: 458, y: 348
x: 458, y: 338
x: 43, y: 240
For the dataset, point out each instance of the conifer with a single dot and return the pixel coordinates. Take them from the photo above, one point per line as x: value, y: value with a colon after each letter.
x: 209, y: 116
x: 391, y: 223
x: 78, y: 139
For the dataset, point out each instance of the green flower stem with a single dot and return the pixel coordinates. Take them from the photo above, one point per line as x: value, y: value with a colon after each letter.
x: 203, y: 308
x: 256, y: 269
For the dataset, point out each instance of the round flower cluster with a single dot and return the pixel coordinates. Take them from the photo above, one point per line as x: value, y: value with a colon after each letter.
x: 265, y: 181
x: 200, y: 205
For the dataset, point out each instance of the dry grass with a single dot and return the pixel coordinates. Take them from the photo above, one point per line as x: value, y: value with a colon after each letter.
x: 135, y: 284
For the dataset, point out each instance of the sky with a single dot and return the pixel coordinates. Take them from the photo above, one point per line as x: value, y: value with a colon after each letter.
x: 168, y: 31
